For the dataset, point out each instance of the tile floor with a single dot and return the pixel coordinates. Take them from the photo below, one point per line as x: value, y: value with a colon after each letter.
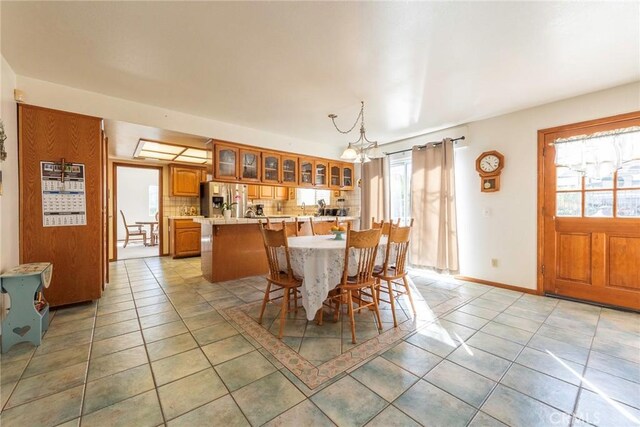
x: 157, y: 349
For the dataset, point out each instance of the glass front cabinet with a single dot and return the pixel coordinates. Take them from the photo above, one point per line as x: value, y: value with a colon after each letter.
x: 335, y: 176
x: 271, y: 168
x: 347, y: 176
x: 322, y: 172
x: 307, y: 169
x: 226, y: 162
x: 289, y: 170
x: 249, y: 165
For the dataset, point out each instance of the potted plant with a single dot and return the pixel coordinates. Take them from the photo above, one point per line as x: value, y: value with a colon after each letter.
x: 226, y: 209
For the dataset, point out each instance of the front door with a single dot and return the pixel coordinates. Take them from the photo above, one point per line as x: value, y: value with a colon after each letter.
x: 589, y: 226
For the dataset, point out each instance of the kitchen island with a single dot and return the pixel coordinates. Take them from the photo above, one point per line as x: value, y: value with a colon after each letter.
x: 233, y: 248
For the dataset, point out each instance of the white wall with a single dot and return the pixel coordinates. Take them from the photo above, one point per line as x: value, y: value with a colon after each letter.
x: 133, y: 196
x: 508, y: 233
x: 46, y: 94
x: 9, y: 220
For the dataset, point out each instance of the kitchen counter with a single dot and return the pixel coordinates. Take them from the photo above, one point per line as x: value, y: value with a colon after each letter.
x: 185, y: 217
x: 235, y: 221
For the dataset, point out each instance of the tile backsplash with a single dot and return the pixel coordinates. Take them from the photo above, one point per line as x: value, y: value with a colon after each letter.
x: 176, y: 206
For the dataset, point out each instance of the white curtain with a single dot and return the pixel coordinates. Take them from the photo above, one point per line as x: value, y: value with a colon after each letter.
x: 433, y: 207
x: 374, y: 191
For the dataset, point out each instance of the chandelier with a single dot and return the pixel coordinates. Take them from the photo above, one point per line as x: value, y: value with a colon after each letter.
x: 362, y: 150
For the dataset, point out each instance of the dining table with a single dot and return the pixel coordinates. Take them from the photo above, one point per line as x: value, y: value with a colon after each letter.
x: 151, y: 225
x: 319, y: 261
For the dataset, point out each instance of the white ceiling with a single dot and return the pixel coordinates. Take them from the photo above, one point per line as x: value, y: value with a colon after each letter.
x: 283, y: 66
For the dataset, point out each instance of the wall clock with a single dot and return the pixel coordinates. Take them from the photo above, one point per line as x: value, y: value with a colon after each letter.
x: 489, y: 165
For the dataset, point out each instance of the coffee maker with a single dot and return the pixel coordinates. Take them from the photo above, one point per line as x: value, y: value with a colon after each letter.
x: 259, y: 210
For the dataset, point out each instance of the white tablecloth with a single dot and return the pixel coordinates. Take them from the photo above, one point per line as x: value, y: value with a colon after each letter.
x: 319, y: 260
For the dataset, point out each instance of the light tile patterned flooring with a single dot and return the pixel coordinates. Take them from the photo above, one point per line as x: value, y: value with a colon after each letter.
x: 157, y: 350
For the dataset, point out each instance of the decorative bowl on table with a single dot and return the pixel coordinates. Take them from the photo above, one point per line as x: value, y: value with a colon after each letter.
x: 339, y: 234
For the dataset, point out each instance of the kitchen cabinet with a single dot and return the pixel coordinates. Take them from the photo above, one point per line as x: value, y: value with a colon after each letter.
x: 271, y: 168
x: 184, y: 238
x: 253, y: 192
x: 249, y: 165
x: 335, y: 176
x: 77, y: 252
x: 226, y: 161
x: 347, y: 176
x: 280, y: 193
x: 266, y: 192
x: 289, y: 170
x: 185, y: 181
x: 307, y: 172
x: 321, y: 173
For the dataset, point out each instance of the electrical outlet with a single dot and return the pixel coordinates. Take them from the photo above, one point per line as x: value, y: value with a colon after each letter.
x: 494, y: 262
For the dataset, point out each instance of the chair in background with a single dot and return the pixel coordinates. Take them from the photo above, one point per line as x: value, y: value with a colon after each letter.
x: 393, y: 272
x: 291, y: 227
x: 353, y: 288
x: 321, y: 228
x: 133, y: 231
x: 275, y: 244
x: 155, y: 230
x: 386, y: 226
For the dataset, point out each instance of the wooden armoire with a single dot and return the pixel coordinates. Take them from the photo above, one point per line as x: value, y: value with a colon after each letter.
x: 77, y: 252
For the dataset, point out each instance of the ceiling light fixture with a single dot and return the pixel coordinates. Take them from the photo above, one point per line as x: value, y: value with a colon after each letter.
x: 362, y: 150
x: 158, y: 150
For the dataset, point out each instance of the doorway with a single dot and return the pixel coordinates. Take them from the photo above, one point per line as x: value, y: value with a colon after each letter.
x: 589, y: 223
x: 137, y: 211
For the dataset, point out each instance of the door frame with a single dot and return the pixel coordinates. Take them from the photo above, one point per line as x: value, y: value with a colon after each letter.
x: 542, y: 134
x: 114, y: 205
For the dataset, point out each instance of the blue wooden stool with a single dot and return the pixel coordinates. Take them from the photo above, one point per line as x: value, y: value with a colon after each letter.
x: 24, y: 322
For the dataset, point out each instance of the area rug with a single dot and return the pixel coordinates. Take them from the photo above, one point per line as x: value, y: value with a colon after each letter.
x: 314, y: 375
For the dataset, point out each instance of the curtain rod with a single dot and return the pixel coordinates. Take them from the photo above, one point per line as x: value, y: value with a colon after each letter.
x: 434, y: 143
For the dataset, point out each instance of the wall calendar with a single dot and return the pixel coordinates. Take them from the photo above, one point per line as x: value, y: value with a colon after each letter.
x: 63, y: 194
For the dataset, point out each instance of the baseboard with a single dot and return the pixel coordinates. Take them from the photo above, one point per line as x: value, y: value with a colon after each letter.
x: 498, y: 285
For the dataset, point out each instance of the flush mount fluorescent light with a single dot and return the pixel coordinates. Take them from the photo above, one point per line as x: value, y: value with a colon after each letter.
x: 194, y: 152
x: 161, y: 148
x: 189, y: 159
x: 155, y: 155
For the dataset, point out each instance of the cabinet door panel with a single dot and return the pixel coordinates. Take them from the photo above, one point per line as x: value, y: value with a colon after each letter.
x: 289, y: 170
x: 185, y: 181
x: 271, y: 168
x: 307, y: 171
x: 249, y: 165
x: 187, y: 241
x: 226, y: 162
x: 347, y: 177
x: 321, y: 172
x: 335, y: 175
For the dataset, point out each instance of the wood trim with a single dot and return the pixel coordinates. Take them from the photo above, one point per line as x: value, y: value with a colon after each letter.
x: 115, y: 205
x: 542, y: 136
x: 499, y: 285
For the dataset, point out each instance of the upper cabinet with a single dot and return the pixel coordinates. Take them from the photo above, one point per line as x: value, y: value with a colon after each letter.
x: 335, y: 176
x: 249, y: 165
x: 322, y: 173
x: 226, y: 161
x: 271, y: 168
x: 289, y: 170
x: 242, y: 163
x: 347, y: 176
x: 307, y: 172
x: 185, y: 181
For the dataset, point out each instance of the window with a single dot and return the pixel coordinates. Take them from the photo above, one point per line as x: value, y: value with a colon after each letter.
x: 611, y: 193
x: 153, y: 200
x: 310, y: 197
x: 400, y: 187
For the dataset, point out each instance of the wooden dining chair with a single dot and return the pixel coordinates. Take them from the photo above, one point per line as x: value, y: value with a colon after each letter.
x: 155, y: 231
x: 384, y: 225
x: 275, y: 244
x: 353, y: 288
x: 291, y: 227
x: 393, y: 274
x: 321, y: 228
x: 132, y: 230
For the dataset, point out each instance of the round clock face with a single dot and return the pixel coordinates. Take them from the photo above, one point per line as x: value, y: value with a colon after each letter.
x: 489, y: 163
